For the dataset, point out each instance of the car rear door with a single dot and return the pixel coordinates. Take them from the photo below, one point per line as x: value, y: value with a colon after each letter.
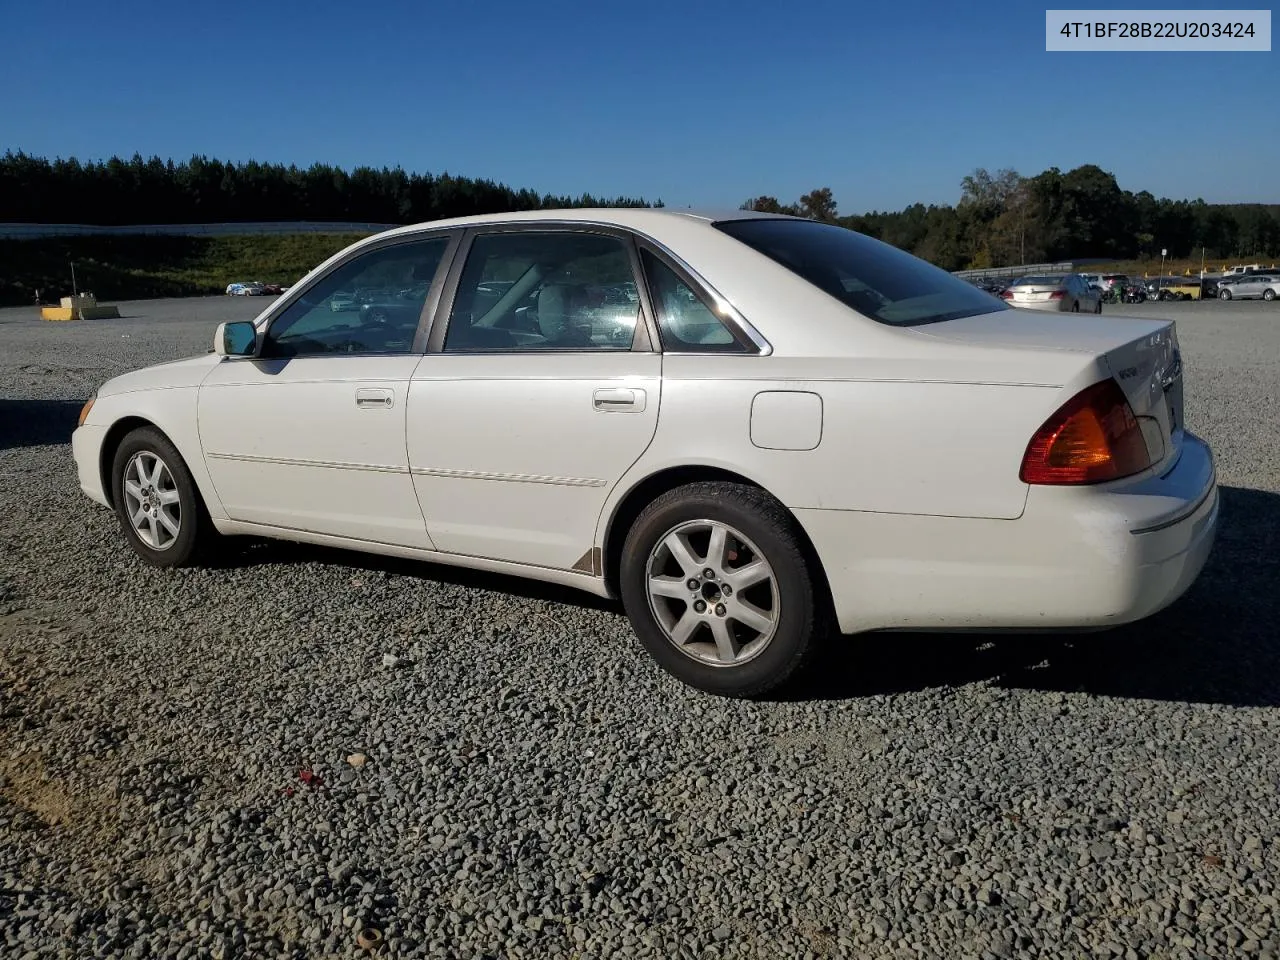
x: 537, y: 393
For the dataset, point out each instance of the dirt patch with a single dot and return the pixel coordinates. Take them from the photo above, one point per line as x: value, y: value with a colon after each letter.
x: 25, y: 783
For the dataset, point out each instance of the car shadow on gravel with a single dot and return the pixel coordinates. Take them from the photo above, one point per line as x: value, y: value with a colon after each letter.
x: 1216, y: 645
x: 1220, y: 643
x: 37, y: 423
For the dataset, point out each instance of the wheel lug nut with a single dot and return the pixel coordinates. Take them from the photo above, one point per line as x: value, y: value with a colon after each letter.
x: 726, y: 590
x: 719, y: 609
x: 709, y: 573
x: 693, y: 583
x: 700, y: 606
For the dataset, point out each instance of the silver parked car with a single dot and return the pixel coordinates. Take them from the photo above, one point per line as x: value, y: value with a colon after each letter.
x: 1068, y: 293
x: 1251, y: 286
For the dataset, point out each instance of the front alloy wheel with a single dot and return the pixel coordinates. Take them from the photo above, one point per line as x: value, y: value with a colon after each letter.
x: 151, y: 500
x: 157, y: 501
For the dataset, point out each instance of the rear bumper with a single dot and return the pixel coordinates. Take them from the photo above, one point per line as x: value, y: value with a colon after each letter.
x: 86, y: 448
x: 1077, y: 558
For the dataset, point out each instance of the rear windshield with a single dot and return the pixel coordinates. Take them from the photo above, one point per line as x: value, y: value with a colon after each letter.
x: 1038, y: 282
x: 874, y: 278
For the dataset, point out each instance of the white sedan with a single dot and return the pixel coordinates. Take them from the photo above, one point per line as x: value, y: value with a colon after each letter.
x: 1071, y: 293
x: 794, y: 427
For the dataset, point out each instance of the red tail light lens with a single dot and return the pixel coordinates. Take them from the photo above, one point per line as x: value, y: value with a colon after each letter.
x: 1057, y: 295
x: 1093, y: 438
x: 1006, y: 294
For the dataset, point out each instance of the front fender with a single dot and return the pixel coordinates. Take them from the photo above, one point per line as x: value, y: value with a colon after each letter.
x: 173, y: 412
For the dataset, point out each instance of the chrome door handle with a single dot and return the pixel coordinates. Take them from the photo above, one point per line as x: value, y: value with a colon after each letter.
x: 618, y: 399
x: 368, y: 399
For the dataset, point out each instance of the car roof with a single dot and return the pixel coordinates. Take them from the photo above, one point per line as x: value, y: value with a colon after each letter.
x: 638, y: 218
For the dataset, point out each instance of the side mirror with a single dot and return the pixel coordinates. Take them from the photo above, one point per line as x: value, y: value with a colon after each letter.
x: 236, y: 339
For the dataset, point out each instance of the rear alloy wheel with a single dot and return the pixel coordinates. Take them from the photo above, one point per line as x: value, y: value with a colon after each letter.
x: 1268, y: 294
x: 718, y: 589
x: 156, y: 500
x: 1224, y: 295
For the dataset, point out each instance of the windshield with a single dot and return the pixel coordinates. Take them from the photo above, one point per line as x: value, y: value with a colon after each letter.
x: 874, y: 278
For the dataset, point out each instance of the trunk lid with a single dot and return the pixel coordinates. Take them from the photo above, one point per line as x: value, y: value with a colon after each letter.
x: 1142, y: 355
x: 1035, y: 292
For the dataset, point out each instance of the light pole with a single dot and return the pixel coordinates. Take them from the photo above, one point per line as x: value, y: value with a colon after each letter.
x: 74, y: 291
x: 1164, y: 252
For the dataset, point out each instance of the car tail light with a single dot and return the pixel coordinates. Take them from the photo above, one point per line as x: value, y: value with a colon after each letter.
x: 1006, y: 294
x: 1094, y: 437
x: 1057, y: 295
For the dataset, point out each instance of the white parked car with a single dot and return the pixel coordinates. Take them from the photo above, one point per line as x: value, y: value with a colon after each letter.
x: 1250, y: 286
x: 1070, y: 292
x: 795, y: 425
x: 233, y: 289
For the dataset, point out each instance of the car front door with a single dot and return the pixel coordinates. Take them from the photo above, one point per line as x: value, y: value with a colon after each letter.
x: 309, y: 434
x: 538, y: 391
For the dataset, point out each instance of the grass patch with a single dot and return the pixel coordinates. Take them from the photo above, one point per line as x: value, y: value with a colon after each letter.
x: 142, y: 267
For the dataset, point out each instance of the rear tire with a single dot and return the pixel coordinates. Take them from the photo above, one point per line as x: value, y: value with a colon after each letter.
x: 760, y: 610
x: 157, y: 501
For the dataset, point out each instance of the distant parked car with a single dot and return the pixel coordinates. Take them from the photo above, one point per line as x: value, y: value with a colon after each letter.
x: 252, y: 289
x: 1252, y: 286
x: 1062, y: 293
x: 272, y: 289
x: 233, y: 289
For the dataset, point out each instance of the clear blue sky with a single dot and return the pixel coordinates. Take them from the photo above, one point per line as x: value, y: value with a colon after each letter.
x: 702, y: 102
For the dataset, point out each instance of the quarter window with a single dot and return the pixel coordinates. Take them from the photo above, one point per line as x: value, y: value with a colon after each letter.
x: 530, y: 291
x: 371, y: 304
x: 686, y: 322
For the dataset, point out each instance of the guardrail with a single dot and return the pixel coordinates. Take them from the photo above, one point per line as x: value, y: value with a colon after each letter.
x: 1062, y: 266
x: 36, y: 231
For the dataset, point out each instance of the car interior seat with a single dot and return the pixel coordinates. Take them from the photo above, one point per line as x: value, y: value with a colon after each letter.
x: 559, y: 316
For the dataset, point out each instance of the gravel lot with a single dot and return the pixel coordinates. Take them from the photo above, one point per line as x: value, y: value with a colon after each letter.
x: 173, y: 746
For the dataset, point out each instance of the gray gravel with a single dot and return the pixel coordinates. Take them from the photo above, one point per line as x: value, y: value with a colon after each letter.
x: 178, y: 751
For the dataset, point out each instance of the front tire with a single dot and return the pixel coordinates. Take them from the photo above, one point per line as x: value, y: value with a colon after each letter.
x: 157, y: 502
x: 1224, y: 295
x: 718, y: 589
x: 1268, y: 295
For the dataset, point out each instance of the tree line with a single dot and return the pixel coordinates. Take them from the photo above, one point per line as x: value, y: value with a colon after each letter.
x: 119, y: 192
x: 1002, y: 218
